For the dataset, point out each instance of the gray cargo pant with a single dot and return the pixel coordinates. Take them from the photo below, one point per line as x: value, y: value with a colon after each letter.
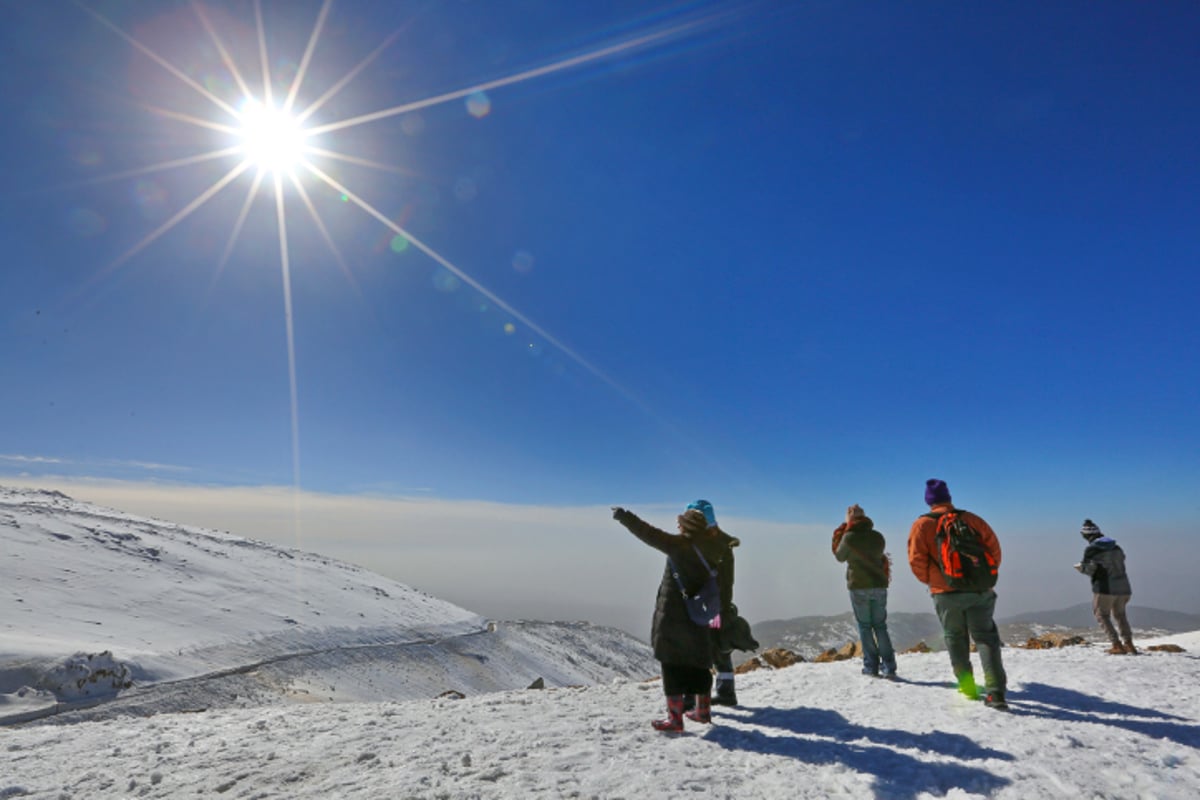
x: 966, y: 616
x: 1108, y: 606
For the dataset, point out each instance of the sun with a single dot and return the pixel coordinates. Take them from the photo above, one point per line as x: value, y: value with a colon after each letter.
x: 271, y: 138
x: 278, y: 142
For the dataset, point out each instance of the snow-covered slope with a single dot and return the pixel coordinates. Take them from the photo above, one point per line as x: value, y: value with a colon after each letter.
x: 1083, y: 724
x: 97, y: 602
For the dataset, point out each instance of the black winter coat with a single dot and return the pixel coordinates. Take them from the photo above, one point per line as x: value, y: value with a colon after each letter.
x: 673, y: 636
x: 861, y: 548
x: 1104, y: 561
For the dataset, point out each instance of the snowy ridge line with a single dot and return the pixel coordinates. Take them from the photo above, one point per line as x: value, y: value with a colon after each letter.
x: 77, y: 512
x: 279, y: 646
x: 64, y: 707
x: 279, y: 659
x: 513, y: 656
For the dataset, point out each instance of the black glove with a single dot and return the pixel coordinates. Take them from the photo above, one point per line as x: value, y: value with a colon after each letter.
x: 618, y: 512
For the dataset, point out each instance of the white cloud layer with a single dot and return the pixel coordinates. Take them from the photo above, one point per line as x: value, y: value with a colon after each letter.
x: 576, y: 563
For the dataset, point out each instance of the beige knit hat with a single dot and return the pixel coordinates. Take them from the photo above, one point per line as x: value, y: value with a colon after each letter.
x: 854, y: 512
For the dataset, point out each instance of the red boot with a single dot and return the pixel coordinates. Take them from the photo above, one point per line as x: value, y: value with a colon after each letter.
x: 703, y: 710
x: 674, y: 720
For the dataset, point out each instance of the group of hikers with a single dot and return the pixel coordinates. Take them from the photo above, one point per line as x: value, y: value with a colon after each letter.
x: 696, y: 626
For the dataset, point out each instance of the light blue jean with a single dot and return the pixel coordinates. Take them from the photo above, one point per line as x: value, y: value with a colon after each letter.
x: 870, y: 612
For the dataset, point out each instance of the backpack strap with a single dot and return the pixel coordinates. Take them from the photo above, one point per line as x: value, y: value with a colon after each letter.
x: 936, y: 514
x: 711, y: 571
x: 940, y: 514
x: 675, y: 570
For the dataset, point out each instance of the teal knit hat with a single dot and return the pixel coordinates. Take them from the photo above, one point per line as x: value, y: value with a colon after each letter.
x: 705, y: 508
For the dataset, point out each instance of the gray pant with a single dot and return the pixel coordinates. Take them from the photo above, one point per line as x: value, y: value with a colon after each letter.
x: 1107, y: 606
x: 966, y: 616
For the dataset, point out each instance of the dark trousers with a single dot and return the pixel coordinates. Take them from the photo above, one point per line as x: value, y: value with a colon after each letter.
x: 723, y: 664
x: 966, y: 616
x: 684, y: 679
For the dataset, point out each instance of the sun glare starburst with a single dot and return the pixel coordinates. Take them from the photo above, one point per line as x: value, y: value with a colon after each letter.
x: 274, y: 149
x: 271, y: 138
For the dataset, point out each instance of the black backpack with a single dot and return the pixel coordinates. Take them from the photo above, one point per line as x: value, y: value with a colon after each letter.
x: 959, y: 552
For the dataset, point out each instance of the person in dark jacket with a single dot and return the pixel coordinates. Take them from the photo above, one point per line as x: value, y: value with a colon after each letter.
x: 734, y: 632
x: 860, y: 547
x: 683, y: 647
x: 1104, y: 561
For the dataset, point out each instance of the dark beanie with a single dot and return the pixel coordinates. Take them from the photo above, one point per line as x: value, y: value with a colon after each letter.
x: 1090, y: 530
x: 936, y: 492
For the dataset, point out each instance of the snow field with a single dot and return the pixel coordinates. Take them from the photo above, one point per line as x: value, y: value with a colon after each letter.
x: 1083, y: 725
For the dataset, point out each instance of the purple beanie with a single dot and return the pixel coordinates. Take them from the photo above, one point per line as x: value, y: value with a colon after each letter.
x: 936, y: 492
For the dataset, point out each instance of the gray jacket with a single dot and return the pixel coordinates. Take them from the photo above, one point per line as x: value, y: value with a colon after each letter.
x: 1104, y: 562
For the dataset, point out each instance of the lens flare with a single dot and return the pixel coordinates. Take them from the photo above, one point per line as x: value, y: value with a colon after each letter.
x: 272, y: 139
x: 479, y: 105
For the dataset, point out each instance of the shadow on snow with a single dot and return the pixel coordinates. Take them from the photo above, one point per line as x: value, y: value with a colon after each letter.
x: 838, y: 741
x: 1055, y: 702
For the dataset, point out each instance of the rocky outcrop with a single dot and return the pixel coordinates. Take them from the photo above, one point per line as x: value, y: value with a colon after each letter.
x: 86, y: 676
x: 775, y: 658
x: 844, y: 653
x: 1049, y: 641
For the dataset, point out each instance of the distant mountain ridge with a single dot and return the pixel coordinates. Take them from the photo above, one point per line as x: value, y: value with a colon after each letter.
x: 812, y: 635
x: 1080, y: 616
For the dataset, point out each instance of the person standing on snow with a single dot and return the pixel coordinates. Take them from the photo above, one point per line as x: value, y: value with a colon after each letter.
x: 1104, y: 561
x: 734, y: 633
x: 683, y: 647
x: 965, y: 615
x: 860, y: 547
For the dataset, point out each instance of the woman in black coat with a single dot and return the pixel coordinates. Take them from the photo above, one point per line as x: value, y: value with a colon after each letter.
x: 683, y: 647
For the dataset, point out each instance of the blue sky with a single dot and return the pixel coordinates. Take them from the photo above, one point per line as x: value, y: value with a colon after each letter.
x: 785, y: 256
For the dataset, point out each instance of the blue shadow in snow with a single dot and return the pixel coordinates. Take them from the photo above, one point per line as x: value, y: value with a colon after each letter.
x: 1055, y: 702
x: 897, y: 775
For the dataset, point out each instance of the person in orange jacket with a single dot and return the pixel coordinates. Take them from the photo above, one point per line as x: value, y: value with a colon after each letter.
x: 964, y: 615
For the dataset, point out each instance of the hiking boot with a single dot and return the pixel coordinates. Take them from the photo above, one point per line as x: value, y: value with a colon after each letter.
x: 673, y: 723
x: 1116, y: 650
x: 996, y: 700
x: 703, y: 711
x: 725, y: 695
x: 1130, y: 650
x: 967, y: 687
